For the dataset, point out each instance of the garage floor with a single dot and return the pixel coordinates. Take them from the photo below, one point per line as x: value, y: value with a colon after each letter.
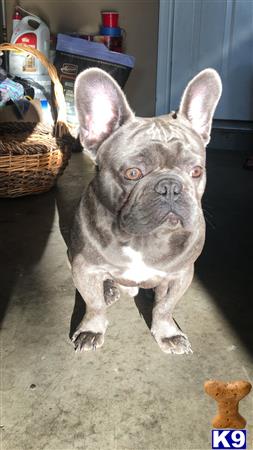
x: 127, y: 395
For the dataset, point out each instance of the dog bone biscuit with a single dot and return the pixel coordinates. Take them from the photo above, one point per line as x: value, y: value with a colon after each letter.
x: 228, y: 396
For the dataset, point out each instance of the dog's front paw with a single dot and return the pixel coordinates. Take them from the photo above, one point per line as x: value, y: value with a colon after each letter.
x: 87, y: 340
x: 178, y: 344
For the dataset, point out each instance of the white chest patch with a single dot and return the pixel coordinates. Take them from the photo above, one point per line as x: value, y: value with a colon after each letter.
x: 137, y: 270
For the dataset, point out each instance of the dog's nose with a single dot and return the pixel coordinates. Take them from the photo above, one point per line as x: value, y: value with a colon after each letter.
x: 169, y: 187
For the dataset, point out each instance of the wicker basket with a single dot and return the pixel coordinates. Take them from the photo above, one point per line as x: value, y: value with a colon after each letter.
x: 33, y: 155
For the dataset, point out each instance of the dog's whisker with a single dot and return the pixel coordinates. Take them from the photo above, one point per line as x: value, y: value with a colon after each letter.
x: 207, y: 212
x: 210, y: 223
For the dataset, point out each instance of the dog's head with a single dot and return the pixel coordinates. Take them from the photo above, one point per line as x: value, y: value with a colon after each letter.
x: 150, y: 171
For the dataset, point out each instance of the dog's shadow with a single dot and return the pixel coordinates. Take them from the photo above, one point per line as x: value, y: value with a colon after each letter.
x: 145, y: 302
x: 77, y: 314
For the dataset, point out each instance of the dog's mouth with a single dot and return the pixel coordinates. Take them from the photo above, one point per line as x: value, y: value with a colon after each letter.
x: 173, y: 220
x: 145, y: 225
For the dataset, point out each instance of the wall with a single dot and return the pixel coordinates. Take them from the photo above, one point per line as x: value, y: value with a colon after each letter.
x: 139, y: 18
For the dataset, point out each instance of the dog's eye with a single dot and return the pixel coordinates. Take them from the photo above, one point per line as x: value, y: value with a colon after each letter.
x: 133, y: 174
x: 196, y: 172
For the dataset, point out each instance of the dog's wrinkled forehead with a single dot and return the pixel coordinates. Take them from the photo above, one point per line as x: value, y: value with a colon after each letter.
x: 164, y: 137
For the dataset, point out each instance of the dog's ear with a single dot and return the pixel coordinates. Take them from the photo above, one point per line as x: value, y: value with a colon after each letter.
x: 101, y: 107
x: 199, y: 101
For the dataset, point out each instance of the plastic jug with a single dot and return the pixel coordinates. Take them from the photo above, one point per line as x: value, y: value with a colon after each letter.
x: 31, y: 31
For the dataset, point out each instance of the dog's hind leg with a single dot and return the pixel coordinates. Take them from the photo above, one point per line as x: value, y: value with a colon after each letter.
x: 111, y: 292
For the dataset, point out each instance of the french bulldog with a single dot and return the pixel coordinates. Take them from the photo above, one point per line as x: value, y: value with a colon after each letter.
x: 140, y: 222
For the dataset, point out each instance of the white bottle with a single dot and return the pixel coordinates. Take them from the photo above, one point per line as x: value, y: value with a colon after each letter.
x: 31, y: 31
x: 46, y: 112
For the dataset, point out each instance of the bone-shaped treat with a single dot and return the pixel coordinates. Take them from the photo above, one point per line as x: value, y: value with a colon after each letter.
x: 228, y: 396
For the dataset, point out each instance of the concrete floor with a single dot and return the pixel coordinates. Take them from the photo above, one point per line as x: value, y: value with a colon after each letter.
x: 127, y: 395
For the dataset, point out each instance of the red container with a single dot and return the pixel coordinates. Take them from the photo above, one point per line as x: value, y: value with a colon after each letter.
x: 110, y: 19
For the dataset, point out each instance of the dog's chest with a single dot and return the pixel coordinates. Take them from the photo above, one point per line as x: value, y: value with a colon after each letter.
x: 135, y: 269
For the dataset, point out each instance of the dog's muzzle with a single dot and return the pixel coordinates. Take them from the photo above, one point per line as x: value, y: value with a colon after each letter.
x: 170, y: 189
x: 159, y: 202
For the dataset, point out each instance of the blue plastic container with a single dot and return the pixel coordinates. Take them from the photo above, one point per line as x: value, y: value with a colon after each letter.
x: 110, y: 31
x: 92, y: 50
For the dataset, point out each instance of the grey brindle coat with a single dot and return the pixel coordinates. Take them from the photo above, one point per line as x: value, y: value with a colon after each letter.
x: 140, y: 222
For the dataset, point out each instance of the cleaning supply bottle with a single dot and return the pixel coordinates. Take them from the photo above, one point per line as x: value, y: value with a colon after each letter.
x: 31, y: 31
